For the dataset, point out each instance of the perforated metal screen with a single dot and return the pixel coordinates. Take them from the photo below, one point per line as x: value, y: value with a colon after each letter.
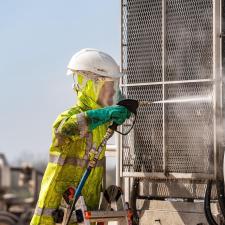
x: 169, y: 55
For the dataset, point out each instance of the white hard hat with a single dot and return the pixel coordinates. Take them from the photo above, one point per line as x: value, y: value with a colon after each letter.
x: 94, y: 61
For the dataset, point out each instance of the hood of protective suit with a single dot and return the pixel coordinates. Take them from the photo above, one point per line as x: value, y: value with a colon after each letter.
x: 88, y: 88
x: 88, y: 92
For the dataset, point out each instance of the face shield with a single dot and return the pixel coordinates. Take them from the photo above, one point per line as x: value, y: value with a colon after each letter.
x: 109, y: 93
x: 103, y: 91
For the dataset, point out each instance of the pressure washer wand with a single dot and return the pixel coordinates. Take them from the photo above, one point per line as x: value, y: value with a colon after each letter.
x: 132, y: 106
x: 92, y: 163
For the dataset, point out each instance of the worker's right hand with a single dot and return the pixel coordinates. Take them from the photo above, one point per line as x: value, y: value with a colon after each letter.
x: 117, y: 114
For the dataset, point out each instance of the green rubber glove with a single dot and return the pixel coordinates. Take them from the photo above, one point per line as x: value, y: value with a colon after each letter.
x: 97, y: 117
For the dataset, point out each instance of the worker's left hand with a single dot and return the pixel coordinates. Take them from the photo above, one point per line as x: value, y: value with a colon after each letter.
x: 117, y: 114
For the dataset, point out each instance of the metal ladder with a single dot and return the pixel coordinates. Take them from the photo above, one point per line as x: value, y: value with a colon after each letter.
x: 112, y: 208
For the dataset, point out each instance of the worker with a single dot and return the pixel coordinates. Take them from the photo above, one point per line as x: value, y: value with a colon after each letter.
x: 79, y: 130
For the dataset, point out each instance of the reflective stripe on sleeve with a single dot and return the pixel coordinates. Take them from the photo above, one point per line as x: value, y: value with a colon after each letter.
x: 43, y: 211
x: 82, y: 124
x: 73, y: 161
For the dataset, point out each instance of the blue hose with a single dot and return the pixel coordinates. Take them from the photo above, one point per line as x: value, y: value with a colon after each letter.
x: 78, y: 191
x: 82, y: 183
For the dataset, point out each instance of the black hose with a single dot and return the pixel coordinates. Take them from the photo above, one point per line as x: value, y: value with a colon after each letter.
x: 220, y: 183
x: 133, y: 200
x: 221, y: 196
x: 207, y: 207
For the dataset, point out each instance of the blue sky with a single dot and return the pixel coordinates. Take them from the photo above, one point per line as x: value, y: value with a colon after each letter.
x: 37, y: 40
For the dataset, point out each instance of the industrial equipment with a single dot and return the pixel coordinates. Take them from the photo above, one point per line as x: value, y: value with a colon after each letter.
x: 172, y: 161
x: 112, y: 208
x: 19, y: 190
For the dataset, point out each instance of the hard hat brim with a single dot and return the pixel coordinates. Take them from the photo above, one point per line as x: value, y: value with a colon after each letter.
x: 69, y: 72
x: 103, y: 74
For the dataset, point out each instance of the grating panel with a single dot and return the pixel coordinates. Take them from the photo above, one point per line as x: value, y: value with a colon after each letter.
x: 189, y: 36
x: 193, y: 91
x: 175, y: 135
x: 141, y: 36
x: 189, y: 137
x: 137, y: 154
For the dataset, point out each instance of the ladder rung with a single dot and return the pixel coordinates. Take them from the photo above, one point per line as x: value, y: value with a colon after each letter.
x: 107, y: 214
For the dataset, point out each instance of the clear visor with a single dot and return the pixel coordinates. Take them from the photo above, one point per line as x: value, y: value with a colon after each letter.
x: 106, y: 88
x: 109, y: 92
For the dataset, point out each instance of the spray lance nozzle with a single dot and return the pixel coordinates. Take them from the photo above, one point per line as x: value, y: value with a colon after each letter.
x: 130, y: 104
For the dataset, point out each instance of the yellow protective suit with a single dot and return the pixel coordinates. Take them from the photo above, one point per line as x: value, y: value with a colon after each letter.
x: 69, y: 153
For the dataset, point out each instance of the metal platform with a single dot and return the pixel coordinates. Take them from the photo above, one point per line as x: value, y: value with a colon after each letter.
x: 176, y: 213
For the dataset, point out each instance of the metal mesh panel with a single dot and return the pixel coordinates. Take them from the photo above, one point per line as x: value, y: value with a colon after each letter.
x: 177, y: 134
x: 137, y: 154
x: 189, y: 35
x: 195, y: 91
x: 189, y: 137
x: 142, y: 39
